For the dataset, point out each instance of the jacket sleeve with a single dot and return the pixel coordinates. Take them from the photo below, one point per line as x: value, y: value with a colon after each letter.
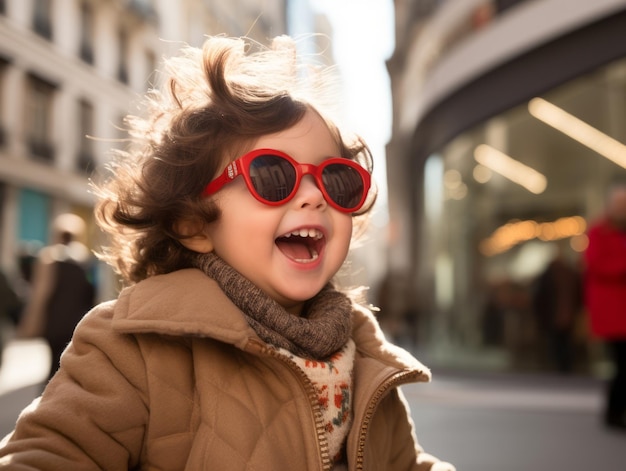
x: 92, y: 414
x: 407, y: 453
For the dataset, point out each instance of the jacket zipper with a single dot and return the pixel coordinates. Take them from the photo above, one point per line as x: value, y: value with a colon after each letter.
x: 311, y: 392
x: 393, y: 381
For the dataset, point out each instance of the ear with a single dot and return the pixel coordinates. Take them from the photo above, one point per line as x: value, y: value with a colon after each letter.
x: 196, y: 238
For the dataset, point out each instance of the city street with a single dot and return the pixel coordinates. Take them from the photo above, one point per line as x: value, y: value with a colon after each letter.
x: 515, y: 423
x: 480, y: 422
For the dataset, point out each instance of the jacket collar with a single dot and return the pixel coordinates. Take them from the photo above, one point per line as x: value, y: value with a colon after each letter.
x: 371, y: 343
x: 189, y: 303
x: 185, y: 302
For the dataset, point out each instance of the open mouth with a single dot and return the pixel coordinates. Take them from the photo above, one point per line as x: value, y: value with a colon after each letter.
x: 302, y: 245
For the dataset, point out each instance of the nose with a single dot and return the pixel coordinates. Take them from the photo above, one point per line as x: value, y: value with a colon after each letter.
x: 309, y: 194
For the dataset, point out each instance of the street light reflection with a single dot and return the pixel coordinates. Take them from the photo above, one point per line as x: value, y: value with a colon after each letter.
x: 513, y: 233
x: 508, y: 167
x: 578, y: 130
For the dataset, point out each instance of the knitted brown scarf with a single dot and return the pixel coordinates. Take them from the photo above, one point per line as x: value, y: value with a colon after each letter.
x: 323, y: 328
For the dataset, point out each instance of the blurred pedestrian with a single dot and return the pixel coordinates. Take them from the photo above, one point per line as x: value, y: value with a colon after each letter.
x: 61, y: 291
x: 605, y: 296
x: 10, y: 309
x: 557, y: 303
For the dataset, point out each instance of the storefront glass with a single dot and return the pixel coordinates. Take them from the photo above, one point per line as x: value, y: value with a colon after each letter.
x: 501, y: 201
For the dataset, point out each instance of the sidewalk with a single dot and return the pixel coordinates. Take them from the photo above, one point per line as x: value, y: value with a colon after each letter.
x: 24, y: 362
x: 24, y: 368
x: 515, y: 422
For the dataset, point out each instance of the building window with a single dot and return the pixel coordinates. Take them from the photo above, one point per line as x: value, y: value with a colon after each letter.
x: 151, y: 65
x: 122, y: 67
x: 502, y: 5
x: 42, y: 23
x: 85, y: 162
x: 86, y: 33
x: 3, y: 131
x: 143, y: 9
x: 39, y: 100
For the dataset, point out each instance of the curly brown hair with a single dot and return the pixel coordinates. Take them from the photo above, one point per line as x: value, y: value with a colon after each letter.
x: 217, y: 100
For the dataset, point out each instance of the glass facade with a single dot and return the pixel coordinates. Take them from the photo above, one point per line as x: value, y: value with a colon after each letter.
x: 503, y: 200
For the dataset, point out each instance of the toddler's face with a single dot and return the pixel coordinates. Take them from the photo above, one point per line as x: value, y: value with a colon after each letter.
x: 289, y: 251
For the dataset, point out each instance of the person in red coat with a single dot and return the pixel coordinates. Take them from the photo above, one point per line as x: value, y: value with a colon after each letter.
x: 605, y: 296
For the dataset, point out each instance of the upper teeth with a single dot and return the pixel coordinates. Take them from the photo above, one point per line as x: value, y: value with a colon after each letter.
x: 314, y: 233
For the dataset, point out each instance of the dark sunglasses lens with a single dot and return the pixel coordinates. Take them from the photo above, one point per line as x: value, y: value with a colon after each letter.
x: 273, y: 177
x: 343, y: 184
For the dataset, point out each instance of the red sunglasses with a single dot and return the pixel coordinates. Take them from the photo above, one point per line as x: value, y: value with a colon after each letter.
x: 274, y: 177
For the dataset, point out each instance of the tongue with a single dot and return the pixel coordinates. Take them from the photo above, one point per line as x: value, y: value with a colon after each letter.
x: 294, y: 249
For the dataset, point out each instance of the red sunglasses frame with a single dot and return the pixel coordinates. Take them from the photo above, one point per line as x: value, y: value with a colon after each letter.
x: 241, y: 166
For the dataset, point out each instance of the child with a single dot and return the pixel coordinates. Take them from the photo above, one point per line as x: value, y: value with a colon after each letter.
x: 231, y: 349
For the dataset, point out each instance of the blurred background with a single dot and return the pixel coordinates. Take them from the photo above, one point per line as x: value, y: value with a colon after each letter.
x: 497, y: 126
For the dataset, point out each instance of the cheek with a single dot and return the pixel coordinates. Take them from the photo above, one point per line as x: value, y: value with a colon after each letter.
x: 344, y: 231
x: 242, y: 229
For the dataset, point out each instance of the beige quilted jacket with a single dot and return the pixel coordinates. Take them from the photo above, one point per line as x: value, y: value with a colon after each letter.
x: 171, y: 377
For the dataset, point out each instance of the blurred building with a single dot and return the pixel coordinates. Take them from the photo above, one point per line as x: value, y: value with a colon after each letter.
x: 70, y: 70
x: 509, y: 123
